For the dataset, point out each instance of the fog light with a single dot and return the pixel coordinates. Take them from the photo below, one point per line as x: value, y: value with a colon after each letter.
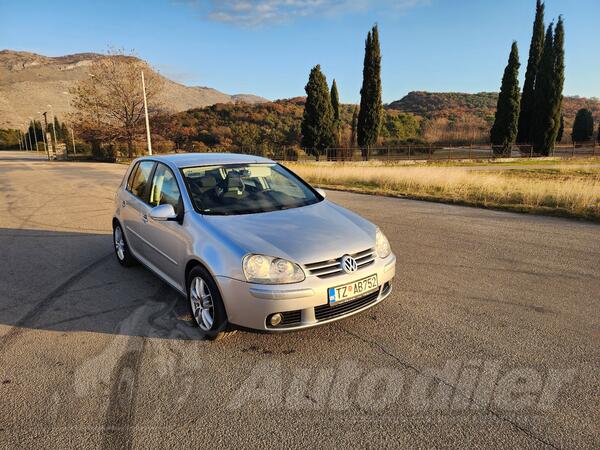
x: 275, y: 319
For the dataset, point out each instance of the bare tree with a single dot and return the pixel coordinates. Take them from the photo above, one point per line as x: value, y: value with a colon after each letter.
x: 109, y: 104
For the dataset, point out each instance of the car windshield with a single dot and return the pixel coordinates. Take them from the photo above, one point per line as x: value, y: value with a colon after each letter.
x: 246, y: 189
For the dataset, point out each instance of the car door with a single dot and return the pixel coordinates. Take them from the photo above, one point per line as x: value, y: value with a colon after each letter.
x: 134, y: 207
x: 166, y: 240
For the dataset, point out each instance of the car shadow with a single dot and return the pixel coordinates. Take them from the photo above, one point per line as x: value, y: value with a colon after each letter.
x: 65, y: 281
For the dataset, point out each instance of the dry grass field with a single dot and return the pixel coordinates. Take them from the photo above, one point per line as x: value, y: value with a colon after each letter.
x: 571, y: 192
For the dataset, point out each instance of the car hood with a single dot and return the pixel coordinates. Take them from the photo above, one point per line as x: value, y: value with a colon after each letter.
x: 303, y: 235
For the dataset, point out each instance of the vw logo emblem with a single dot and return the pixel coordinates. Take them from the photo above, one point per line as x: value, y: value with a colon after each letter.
x: 348, y: 264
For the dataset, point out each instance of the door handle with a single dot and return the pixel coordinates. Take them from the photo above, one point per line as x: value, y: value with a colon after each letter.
x: 145, y: 218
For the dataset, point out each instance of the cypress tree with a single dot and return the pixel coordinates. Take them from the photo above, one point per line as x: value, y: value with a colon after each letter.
x: 317, y: 120
x: 64, y: 131
x: 30, y: 134
x: 559, y: 77
x: 535, y: 53
x: 335, y: 101
x: 354, y: 126
x: 57, y: 129
x: 543, y: 123
x: 504, y: 130
x: 561, y: 129
x: 335, y: 104
x: 583, y: 127
x: 370, y: 115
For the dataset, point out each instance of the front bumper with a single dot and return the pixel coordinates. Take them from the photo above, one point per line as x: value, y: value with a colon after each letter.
x: 303, y: 305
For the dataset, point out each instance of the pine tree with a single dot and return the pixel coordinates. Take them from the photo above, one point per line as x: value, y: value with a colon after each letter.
x: 561, y: 129
x: 370, y: 115
x: 583, y: 127
x: 317, y: 120
x: 354, y: 126
x: 543, y: 123
x: 504, y: 130
x: 535, y: 53
x: 335, y: 104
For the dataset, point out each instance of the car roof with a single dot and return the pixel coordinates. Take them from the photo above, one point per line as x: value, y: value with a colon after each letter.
x: 181, y: 160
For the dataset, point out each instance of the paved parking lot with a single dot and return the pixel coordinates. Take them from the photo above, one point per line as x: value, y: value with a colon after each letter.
x: 491, y: 337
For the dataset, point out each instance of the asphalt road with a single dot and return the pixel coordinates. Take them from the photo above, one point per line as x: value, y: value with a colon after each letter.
x: 491, y: 337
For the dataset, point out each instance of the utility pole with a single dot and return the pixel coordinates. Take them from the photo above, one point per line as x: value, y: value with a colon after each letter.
x: 73, y: 139
x: 146, y: 112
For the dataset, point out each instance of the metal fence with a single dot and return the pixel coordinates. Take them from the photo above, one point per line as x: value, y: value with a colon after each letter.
x: 446, y: 153
x: 408, y: 153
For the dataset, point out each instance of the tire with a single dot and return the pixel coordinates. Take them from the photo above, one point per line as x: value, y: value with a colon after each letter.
x: 124, y: 256
x: 206, y: 305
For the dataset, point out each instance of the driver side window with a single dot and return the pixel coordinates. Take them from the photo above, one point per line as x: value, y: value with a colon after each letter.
x: 164, y: 190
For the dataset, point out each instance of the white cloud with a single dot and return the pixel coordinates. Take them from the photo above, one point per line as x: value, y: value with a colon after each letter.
x: 252, y: 13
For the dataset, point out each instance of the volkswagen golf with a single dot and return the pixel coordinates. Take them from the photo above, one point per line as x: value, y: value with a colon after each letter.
x: 248, y: 242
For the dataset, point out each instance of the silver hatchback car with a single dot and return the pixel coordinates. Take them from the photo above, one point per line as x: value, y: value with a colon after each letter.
x: 248, y: 242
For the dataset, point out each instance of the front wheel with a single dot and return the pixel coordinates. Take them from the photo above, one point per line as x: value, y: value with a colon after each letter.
x: 206, y: 305
x: 122, y: 252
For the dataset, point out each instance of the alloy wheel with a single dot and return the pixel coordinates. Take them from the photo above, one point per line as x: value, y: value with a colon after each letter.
x: 119, y: 243
x: 202, y: 303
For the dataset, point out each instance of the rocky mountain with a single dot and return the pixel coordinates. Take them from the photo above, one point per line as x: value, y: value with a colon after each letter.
x: 30, y: 82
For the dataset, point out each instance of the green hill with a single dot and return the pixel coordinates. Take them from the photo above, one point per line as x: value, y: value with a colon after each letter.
x: 267, y: 127
x: 447, y: 104
x: 458, y: 117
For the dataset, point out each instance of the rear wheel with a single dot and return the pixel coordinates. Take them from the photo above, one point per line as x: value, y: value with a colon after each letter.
x: 122, y: 252
x: 206, y: 305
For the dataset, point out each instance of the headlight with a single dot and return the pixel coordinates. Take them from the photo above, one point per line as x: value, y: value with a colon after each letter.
x: 270, y: 270
x: 382, y: 246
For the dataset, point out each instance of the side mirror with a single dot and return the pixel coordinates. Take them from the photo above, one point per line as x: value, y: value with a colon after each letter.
x: 163, y: 212
x: 321, y: 192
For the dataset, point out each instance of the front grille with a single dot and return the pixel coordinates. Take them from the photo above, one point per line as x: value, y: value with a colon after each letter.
x: 325, y: 312
x: 332, y: 267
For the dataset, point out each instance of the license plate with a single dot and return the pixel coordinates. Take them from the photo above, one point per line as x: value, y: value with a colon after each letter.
x: 341, y: 294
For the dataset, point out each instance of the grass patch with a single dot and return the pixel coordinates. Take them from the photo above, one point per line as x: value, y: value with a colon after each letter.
x: 562, y: 192
x: 548, y: 161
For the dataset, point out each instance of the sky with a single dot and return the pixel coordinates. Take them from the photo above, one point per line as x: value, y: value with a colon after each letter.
x: 267, y: 47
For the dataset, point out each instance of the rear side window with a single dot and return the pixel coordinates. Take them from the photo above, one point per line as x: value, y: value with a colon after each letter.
x: 140, y: 178
x: 131, y: 177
